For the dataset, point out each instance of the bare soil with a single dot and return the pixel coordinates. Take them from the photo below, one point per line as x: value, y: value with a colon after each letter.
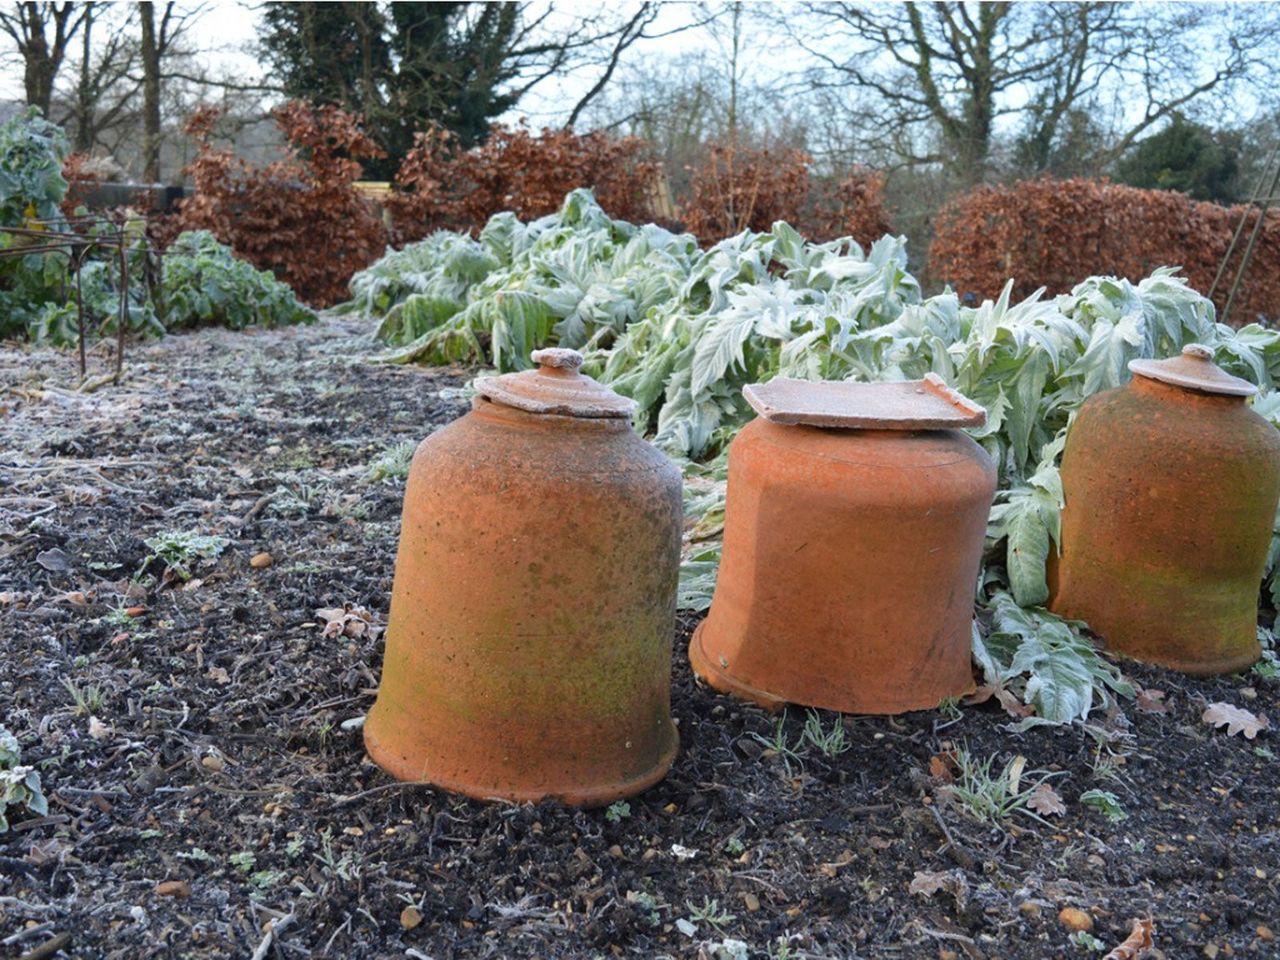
x: 204, y: 781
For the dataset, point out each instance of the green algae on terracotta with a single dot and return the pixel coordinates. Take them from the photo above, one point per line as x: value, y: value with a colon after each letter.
x: 1171, y: 485
x: 528, y: 644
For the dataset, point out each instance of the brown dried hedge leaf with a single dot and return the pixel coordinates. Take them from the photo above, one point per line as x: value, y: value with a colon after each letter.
x: 1136, y: 945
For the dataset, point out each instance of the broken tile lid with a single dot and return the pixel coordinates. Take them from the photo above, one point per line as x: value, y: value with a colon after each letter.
x: 556, y: 387
x: 927, y: 404
x: 1194, y: 370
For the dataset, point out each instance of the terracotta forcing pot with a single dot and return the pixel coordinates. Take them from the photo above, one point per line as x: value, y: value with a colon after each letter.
x: 1171, y: 484
x: 854, y: 527
x: 528, y: 649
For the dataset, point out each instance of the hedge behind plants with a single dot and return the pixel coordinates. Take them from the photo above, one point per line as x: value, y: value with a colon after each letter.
x: 1054, y: 233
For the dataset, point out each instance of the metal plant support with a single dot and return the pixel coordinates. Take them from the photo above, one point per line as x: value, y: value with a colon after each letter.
x: 1263, y: 196
x: 76, y: 238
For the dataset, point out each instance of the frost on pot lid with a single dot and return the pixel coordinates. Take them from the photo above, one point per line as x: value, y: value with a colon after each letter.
x: 927, y: 404
x: 1194, y: 370
x: 556, y: 387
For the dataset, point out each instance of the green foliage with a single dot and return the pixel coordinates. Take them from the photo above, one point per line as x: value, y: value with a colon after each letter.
x: 681, y: 330
x: 994, y: 797
x: 394, y: 462
x: 1105, y: 802
x: 19, y: 785
x: 1044, y: 661
x: 180, y: 549
x: 31, y: 186
x: 205, y: 284
x: 618, y: 811
x: 31, y: 153
x: 1187, y: 157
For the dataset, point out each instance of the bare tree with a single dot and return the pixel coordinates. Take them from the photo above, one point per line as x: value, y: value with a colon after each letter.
x: 935, y: 79
x: 104, y: 95
x: 42, y: 51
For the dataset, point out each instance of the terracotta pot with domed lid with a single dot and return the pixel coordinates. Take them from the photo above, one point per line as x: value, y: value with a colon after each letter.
x: 528, y: 651
x: 1171, y: 484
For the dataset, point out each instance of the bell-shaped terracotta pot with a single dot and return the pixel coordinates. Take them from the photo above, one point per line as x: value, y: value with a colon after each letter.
x: 1170, y: 484
x: 853, y: 534
x: 528, y: 650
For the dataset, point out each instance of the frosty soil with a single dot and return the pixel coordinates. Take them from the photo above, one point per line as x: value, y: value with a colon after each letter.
x: 221, y: 792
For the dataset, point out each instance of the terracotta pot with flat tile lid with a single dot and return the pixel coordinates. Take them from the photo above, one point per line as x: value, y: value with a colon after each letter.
x: 853, y: 535
x: 1171, y: 484
x: 529, y: 642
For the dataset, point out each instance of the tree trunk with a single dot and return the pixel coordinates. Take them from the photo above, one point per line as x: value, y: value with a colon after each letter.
x: 39, y: 68
x: 84, y: 90
x: 150, y: 95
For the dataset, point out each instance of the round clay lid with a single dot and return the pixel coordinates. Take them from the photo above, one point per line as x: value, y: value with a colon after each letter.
x: 1194, y: 370
x: 556, y: 387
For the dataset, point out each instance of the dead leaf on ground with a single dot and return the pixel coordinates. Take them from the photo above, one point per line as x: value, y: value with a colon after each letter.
x: 1012, y: 705
x: 942, y: 766
x: 981, y: 695
x: 1237, y: 720
x: 219, y: 675
x: 350, y: 620
x: 1137, y: 944
x: 1045, y: 801
x: 1151, y: 701
x: 54, y: 560
x: 926, y: 883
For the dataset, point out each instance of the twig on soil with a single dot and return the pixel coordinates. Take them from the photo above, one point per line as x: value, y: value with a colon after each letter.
x: 943, y: 935
x: 352, y: 798
x: 26, y: 933
x: 953, y: 849
x: 95, y: 383
x: 258, y: 506
x: 48, y: 948
x: 274, y: 929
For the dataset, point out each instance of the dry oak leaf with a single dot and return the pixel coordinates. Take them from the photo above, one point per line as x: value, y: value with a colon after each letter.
x: 1045, y: 801
x: 926, y: 883
x: 1136, y: 945
x: 1236, y: 720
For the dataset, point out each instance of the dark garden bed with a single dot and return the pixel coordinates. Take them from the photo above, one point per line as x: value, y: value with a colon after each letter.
x: 204, y: 780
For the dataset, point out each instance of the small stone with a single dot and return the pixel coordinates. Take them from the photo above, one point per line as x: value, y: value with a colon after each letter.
x: 1075, y: 919
x: 1029, y: 909
x: 1264, y: 933
x: 174, y: 888
x: 1249, y: 693
x: 1210, y: 950
x: 751, y: 902
x: 945, y: 954
x: 410, y: 917
x: 616, y: 852
x: 260, y: 561
x: 213, y: 763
